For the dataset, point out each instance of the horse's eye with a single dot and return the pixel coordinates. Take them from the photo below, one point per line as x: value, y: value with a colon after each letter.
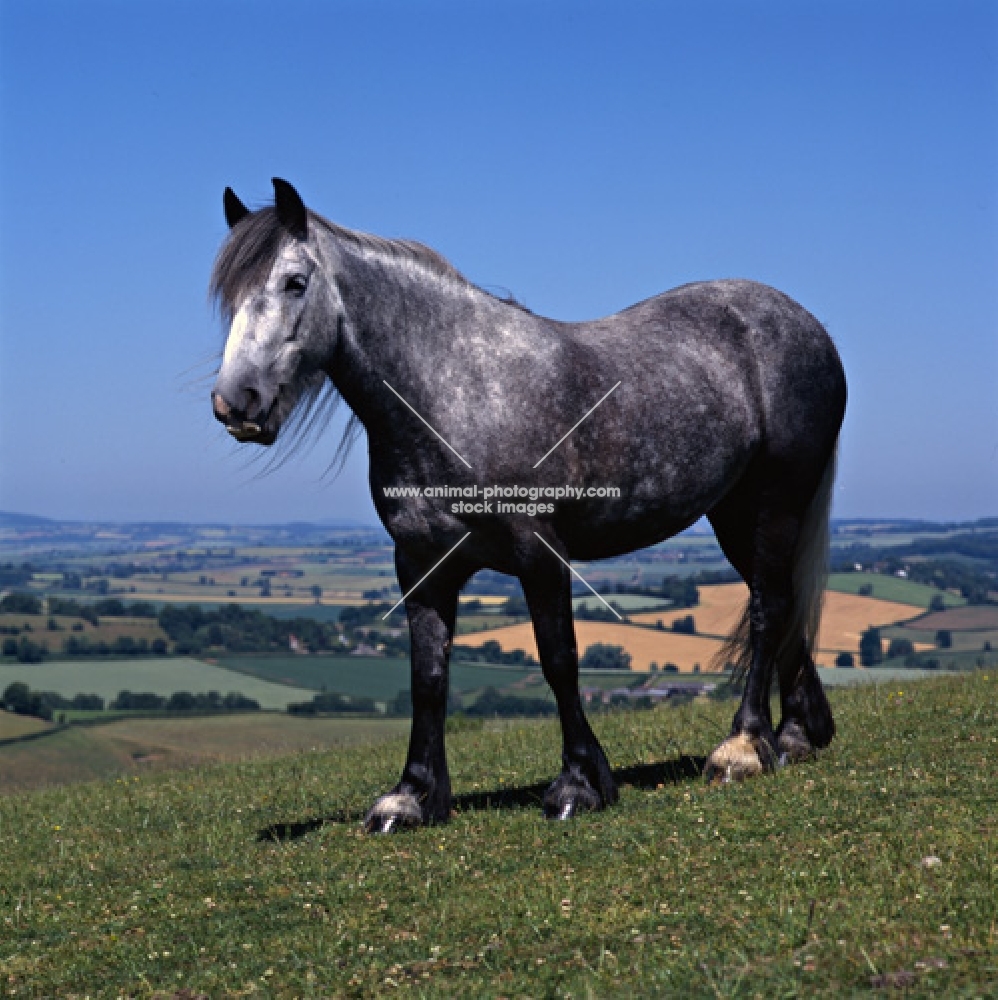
x: 296, y: 283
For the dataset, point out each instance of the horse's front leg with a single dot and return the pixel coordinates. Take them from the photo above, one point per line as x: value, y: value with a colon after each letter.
x: 585, y: 781
x: 423, y: 795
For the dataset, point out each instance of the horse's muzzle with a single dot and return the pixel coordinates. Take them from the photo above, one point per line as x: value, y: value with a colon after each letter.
x: 239, y: 426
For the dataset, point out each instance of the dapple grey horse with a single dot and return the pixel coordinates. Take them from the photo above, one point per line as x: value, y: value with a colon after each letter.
x: 723, y: 399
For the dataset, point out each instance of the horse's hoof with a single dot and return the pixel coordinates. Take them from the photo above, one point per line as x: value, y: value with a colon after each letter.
x: 736, y: 759
x: 393, y: 812
x: 565, y: 799
x: 793, y: 744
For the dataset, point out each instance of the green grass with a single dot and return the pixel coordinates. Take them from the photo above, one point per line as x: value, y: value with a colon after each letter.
x: 808, y: 882
x: 892, y: 588
x: 627, y: 602
x: 895, y: 672
x: 127, y: 745
x: 159, y: 674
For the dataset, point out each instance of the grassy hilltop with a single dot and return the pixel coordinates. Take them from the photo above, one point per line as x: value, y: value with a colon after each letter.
x: 873, y: 866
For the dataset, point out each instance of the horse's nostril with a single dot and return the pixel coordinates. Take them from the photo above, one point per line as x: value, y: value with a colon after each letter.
x: 221, y: 408
x: 252, y: 401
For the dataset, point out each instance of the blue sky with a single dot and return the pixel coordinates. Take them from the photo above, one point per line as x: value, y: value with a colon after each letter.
x: 582, y: 155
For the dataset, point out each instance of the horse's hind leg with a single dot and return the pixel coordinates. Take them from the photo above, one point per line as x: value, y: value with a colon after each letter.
x: 585, y: 781
x: 806, y: 722
x: 760, y: 530
x: 423, y: 795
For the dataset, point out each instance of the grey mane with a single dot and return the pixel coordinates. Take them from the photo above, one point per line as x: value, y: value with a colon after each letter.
x: 248, y: 255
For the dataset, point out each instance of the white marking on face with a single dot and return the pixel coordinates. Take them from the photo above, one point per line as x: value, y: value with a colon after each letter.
x: 237, y: 333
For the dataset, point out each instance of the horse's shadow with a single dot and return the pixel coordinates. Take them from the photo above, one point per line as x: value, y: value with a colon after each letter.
x: 669, y: 772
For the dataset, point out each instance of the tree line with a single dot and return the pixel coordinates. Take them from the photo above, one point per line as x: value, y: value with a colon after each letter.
x: 22, y: 700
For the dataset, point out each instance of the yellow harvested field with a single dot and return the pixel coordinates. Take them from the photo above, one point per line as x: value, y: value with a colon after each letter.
x: 717, y: 613
x: 845, y: 617
x: 643, y: 644
x: 12, y: 725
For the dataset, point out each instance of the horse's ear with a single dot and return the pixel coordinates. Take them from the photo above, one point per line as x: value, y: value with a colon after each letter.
x: 235, y: 210
x: 290, y: 209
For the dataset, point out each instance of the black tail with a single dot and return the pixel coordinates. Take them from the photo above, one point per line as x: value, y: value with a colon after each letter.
x: 809, y: 577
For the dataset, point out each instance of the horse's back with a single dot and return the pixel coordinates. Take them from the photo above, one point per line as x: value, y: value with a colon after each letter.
x: 754, y: 338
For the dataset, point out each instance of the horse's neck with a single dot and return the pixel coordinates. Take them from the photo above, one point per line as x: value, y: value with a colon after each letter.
x: 402, y: 320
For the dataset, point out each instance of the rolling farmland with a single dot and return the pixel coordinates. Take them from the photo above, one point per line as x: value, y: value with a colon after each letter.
x: 128, y: 747
x: 377, y: 677
x: 845, y: 617
x: 159, y: 675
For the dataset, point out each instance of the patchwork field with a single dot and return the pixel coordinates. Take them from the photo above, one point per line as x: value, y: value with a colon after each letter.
x: 845, y: 617
x: 975, y: 618
x: 108, y: 630
x: 160, y: 675
x: 378, y: 677
x: 645, y: 645
x: 892, y: 588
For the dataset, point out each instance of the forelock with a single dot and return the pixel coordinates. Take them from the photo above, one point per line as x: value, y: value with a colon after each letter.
x: 246, y: 259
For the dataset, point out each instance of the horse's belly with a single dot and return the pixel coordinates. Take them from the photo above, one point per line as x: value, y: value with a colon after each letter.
x: 653, y: 503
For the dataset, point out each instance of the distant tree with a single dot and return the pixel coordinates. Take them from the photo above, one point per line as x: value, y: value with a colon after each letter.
x: 159, y: 646
x: 20, y: 699
x: 236, y: 702
x: 682, y: 591
x: 670, y: 668
x: 141, y: 702
x: 10, y: 647
x: 899, y: 647
x: 181, y: 701
x: 30, y: 652
x: 937, y: 603
x: 685, y: 625
x: 845, y: 660
x: 871, y: 648
x: 317, y: 592
x: 604, y: 656
x: 492, y: 703
x: 88, y: 703
x: 65, y: 606
x: 21, y: 604
x: 515, y: 607
x: 944, y: 638
x: 401, y: 704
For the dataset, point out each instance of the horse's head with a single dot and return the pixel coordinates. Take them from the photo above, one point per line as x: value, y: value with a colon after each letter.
x: 273, y: 292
